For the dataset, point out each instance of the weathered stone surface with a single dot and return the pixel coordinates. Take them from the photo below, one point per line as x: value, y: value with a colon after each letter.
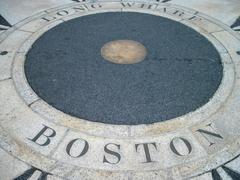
x: 39, y: 141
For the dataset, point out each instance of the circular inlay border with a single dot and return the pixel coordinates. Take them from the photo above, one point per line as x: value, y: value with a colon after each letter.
x: 189, y: 119
x: 123, y: 111
x: 184, y: 147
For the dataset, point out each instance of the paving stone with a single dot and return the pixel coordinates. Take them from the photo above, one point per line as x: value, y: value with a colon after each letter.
x: 41, y: 141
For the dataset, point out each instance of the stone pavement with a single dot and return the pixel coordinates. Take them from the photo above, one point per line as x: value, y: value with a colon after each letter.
x: 52, y: 49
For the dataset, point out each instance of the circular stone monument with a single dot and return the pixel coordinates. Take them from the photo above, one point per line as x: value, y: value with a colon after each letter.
x: 166, y: 70
x: 120, y: 90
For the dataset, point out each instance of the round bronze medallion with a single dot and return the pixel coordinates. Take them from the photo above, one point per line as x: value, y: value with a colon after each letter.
x: 123, y: 52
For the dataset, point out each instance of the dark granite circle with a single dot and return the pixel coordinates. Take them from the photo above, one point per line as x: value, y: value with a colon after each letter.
x: 180, y: 73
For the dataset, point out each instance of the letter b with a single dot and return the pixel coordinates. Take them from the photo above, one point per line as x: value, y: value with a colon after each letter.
x: 50, y: 133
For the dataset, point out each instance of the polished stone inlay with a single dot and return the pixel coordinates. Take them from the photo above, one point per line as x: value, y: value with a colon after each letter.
x: 180, y: 72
